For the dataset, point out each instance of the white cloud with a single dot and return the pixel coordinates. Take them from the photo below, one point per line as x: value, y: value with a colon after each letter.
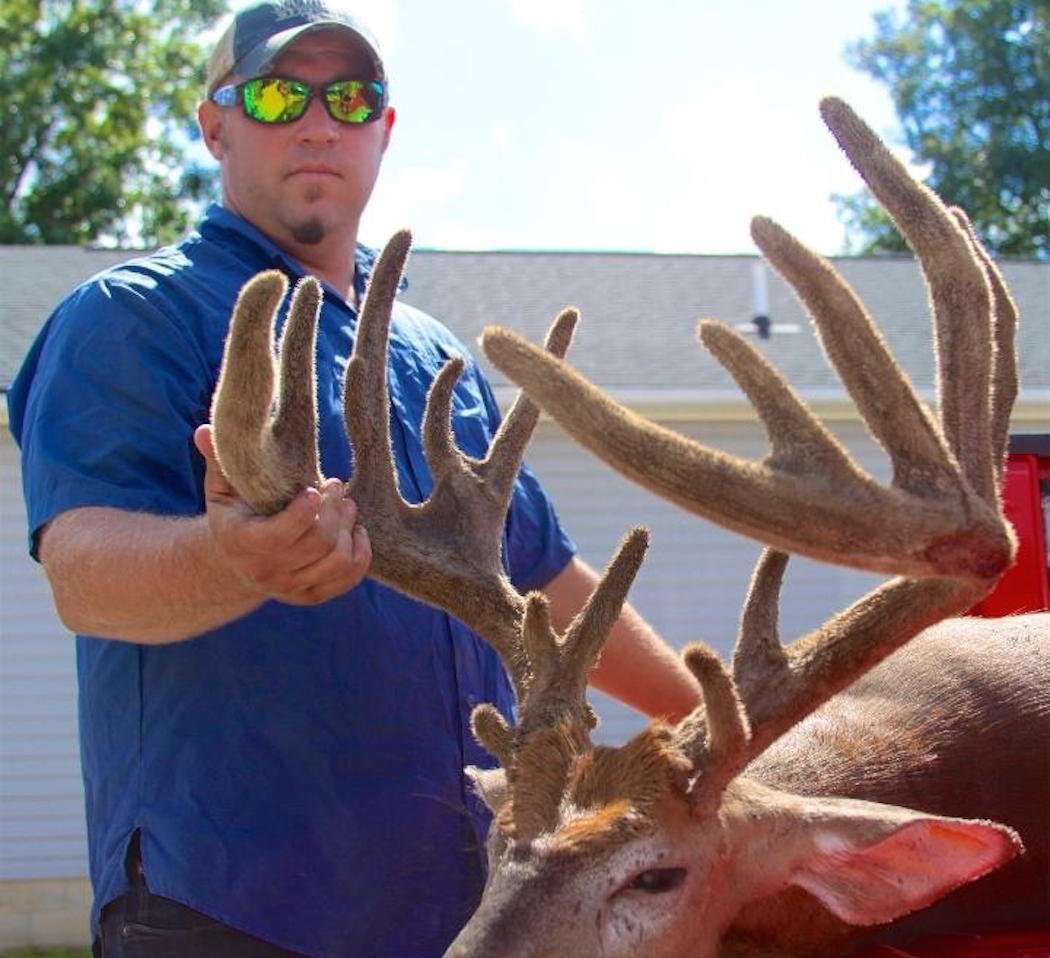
x: 416, y: 197
x: 463, y: 236
x: 561, y: 16
x: 743, y: 154
x: 381, y: 17
x: 504, y: 136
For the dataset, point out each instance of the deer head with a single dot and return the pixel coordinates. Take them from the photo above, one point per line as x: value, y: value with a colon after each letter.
x: 657, y: 847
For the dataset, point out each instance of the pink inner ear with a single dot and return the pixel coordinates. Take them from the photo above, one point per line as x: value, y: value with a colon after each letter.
x: 919, y: 863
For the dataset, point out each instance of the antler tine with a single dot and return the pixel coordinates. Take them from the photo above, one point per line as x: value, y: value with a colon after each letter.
x: 269, y: 457
x: 366, y: 398
x: 717, y: 736
x: 491, y: 729
x: 439, y: 445
x: 504, y: 458
x: 759, y: 656
x: 559, y: 669
x: 727, y: 732
x: 554, y: 717
x: 958, y: 286
x: 859, y: 354
x: 1004, y: 365
x: 446, y: 550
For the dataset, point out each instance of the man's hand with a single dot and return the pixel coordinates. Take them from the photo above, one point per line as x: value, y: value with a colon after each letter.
x: 310, y: 552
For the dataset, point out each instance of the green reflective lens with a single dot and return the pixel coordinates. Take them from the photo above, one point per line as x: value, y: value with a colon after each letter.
x: 273, y: 100
x: 353, y: 101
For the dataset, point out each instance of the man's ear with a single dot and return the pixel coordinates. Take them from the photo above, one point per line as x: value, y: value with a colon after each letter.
x: 210, y: 120
x: 388, y: 120
x: 869, y: 863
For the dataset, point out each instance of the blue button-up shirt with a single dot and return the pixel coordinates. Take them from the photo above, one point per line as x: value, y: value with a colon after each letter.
x: 297, y: 773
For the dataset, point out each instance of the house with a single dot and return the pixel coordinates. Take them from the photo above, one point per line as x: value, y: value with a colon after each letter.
x: 636, y: 340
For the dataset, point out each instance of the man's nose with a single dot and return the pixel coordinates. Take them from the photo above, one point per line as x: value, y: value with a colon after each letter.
x: 315, y: 125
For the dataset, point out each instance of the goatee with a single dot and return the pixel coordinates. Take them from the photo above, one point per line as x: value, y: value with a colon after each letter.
x: 309, y: 233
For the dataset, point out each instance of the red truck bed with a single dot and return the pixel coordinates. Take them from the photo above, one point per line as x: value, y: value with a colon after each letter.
x: 1034, y: 944
x: 1024, y: 588
x: 1026, y: 499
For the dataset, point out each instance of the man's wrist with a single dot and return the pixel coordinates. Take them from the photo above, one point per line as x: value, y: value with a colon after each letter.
x: 240, y: 585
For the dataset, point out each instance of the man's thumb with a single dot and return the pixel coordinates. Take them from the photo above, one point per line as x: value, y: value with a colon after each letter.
x: 215, y: 483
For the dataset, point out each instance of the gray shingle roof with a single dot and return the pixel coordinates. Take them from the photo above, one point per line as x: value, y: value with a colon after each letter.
x: 638, y: 311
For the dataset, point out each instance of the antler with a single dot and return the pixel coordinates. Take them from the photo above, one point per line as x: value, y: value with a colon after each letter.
x: 938, y: 521
x: 554, y: 717
x: 444, y: 551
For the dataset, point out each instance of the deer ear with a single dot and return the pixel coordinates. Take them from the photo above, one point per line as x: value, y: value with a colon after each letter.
x: 870, y: 863
x: 490, y: 785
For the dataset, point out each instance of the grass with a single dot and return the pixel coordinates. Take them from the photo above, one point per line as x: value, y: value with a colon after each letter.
x: 48, y: 953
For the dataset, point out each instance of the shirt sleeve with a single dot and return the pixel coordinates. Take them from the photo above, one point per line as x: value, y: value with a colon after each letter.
x: 538, y: 548
x: 115, y: 391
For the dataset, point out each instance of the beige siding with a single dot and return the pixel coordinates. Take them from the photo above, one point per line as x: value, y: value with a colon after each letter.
x: 41, y: 796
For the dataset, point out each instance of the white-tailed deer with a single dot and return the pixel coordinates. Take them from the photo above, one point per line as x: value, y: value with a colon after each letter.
x: 838, y: 783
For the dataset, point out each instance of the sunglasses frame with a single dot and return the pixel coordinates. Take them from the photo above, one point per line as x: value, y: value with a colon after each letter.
x: 231, y: 93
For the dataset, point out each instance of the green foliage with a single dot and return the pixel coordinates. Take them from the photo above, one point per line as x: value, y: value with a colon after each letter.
x: 970, y: 80
x: 99, y: 117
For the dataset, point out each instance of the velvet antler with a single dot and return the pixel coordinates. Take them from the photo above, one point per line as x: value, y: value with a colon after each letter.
x: 938, y: 522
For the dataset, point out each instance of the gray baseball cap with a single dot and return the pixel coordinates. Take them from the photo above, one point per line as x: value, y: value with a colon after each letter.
x: 259, y: 33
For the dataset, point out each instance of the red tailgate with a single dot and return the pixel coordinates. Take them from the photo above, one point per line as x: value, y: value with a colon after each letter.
x: 1033, y: 944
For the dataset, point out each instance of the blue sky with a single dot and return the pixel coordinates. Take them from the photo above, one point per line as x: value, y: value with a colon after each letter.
x: 615, y: 125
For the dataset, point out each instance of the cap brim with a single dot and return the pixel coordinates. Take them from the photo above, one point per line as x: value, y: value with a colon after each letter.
x: 257, y: 62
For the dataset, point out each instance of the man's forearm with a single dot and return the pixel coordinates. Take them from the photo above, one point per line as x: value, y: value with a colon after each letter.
x: 138, y: 577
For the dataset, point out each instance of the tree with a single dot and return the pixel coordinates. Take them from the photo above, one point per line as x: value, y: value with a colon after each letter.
x: 98, y: 120
x: 970, y: 80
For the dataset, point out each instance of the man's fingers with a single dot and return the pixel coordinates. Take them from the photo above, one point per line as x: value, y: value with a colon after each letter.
x: 316, y: 538
x: 286, y: 528
x: 338, y: 572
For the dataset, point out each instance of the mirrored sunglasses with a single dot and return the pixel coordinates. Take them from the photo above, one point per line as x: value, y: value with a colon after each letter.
x: 280, y: 100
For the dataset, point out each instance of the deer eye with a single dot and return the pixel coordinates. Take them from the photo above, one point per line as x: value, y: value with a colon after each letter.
x: 658, y: 880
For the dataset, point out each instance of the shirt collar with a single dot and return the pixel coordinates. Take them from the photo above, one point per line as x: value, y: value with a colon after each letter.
x: 219, y: 218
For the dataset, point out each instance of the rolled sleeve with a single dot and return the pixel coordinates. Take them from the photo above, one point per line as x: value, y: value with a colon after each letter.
x: 538, y: 546
x: 108, y: 407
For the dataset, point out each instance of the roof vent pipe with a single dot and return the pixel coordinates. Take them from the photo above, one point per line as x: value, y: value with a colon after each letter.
x: 760, y: 300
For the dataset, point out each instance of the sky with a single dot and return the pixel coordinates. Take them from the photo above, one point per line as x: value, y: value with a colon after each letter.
x: 659, y: 126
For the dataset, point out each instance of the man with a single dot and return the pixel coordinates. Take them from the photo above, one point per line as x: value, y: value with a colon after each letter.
x: 272, y: 742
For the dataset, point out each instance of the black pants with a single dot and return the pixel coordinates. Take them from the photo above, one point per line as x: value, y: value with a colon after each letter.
x: 141, y: 925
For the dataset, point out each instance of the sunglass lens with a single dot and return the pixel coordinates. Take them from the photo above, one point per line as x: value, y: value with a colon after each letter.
x: 355, y: 101
x: 271, y: 100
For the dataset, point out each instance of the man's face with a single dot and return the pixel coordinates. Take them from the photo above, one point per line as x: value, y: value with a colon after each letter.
x: 307, y: 181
